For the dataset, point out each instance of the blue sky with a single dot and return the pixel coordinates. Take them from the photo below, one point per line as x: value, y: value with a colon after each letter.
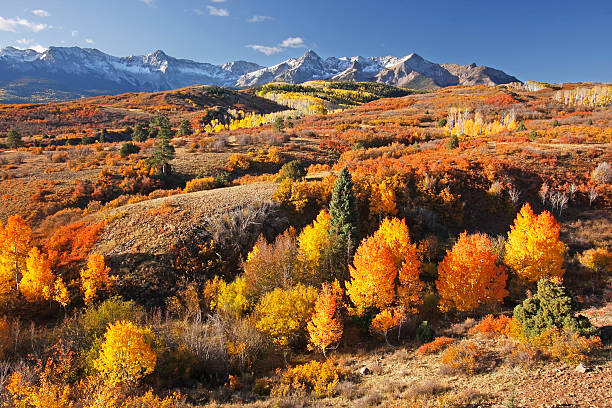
x: 555, y: 41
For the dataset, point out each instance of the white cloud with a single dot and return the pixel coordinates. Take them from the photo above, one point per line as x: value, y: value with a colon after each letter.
x: 218, y: 1
x: 24, y: 41
x: 89, y: 41
x: 292, y: 42
x: 147, y: 2
x: 12, y: 24
x: 259, y: 19
x: 41, y: 13
x: 74, y: 33
x: 214, y: 11
x: 265, y: 50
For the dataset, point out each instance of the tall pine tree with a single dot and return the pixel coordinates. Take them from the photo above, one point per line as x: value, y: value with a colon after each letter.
x: 344, y: 215
x: 164, y: 151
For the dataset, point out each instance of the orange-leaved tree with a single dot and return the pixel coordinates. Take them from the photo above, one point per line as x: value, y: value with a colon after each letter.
x: 385, y: 270
x: 533, y: 249
x: 37, y: 281
x: 95, y: 277
x: 126, y: 354
x: 469, y: 276
x: 387, y: 320
x: 15, y: 239
x: 325, y: 327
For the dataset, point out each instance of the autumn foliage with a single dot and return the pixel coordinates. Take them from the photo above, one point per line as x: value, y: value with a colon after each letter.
x: 385, y: 270
x: 15, y: 239
x: 37, y: 282
x: 95, y: 277
x: 325, y: 326
x: 533, y: 249
x: 469, y: 275
x: 126, y: 355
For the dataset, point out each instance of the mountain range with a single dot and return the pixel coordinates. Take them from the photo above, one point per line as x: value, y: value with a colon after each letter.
x: 63, y: 73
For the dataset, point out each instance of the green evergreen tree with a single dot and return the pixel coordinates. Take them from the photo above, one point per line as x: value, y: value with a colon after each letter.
x: 185, y: 128
x: 13, y: 139
x: 550, y: 307
x: 344, y: 214
x: 140, y: 133
x: 164, y: 151
x: 103, y: 136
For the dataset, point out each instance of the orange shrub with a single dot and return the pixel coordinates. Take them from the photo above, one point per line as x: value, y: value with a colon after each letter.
x: 438, y: 344
x: 492, y: 326
x: 463, y: 357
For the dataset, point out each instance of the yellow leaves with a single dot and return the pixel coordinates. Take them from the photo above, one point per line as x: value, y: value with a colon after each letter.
x: 15, y: 239
x: 313, y: 241
x: 382, y: 200
x: 599, y: 260
x: 317, y: 378
x: 293, y: 194
x: 325, y: 327
x: 469, y: 276
x: 373, y: 275
x: 95, y: 277
x: 60, y: 292
x: 283, y: 313
x: 125, y: 355
x: 533, y: 249
x: 44, y: 395
x: 37, y: 281
x: 232, y: 298
x: 199, y: 184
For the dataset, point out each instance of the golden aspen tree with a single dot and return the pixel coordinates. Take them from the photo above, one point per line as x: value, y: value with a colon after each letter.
x: 373, y: 275
x: 533, y: 249
x: 60, y: 292
x: 95, y: 277
x: 325, y: 327
x: 313, y: 239
x: 126, y: 354
x: 469, y: 276
x: 315, y: 247
x: 15, y: 239
x: 37, y: 281
x: 283, y: 313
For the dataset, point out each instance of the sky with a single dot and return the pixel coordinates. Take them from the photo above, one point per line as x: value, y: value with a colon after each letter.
x: 554, y: 41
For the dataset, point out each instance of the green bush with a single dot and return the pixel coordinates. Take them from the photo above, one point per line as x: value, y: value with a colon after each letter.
x: 95, y: 320
x: 532, y: 135
x: 424, y: 333
x: 293, y: 170
x: 128, y: 148
x: 442, y: 122
x: 550, y: 307
x: 13, y: 140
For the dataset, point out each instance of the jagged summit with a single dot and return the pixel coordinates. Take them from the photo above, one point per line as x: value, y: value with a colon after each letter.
x: 89, y: 71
